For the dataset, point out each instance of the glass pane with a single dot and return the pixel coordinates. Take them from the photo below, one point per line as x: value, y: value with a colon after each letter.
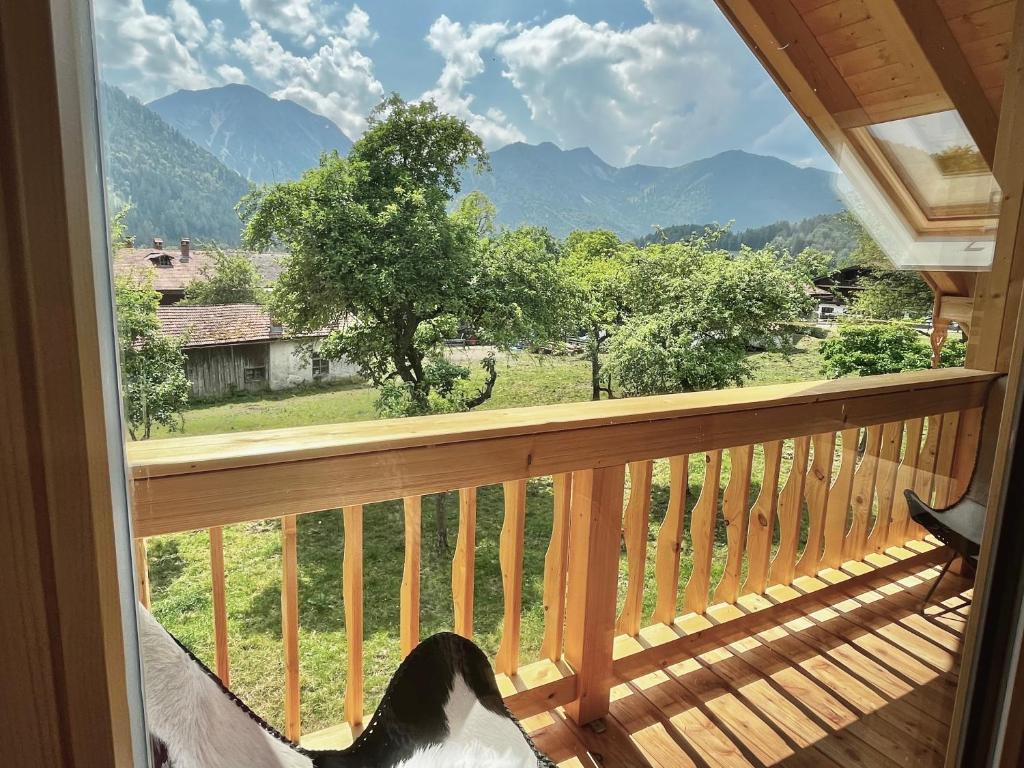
x: 939, y: 162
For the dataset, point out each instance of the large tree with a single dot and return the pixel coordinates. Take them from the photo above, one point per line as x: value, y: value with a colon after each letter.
x: 155, y: 388
x: 594, y: 267
x: 374, y: 250
x: 696, y: 310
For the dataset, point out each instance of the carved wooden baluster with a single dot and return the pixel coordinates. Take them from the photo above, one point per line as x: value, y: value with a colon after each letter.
x: 855, y: 546
x: 702, y: 535
x: 783, y: 569
x: 966, y: 452
x: 556, y: 563
x: 924, y: 478
x: 352, y: 594
x: 594, y: 535
x: 636, y: 525
x: 409, y: 617
x: 670, y: 542
x: 885, y: 485
x: 735, y: 503
x: 290, y: 627
x: 762, y: 521
x: 816, y: 488
x: 464, y: 565
x: 220, y: 610
x: 839, y: 495
x: 905, y: 479
x: 944, y: 459
x: 511, y: 557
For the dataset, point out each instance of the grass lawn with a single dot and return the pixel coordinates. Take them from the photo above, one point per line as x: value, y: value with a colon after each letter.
x: 180, y: 573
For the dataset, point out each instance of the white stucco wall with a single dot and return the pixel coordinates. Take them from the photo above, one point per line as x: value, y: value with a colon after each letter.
x: 289, y: 368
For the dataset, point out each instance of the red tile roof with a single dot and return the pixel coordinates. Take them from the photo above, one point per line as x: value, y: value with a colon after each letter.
x: 221, y: 324
x: 179, y: 274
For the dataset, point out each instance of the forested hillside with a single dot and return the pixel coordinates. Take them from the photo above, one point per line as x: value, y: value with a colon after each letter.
x: 835, y: 233
x: 175, y: 188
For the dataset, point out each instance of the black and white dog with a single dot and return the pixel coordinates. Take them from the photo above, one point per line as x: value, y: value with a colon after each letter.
x: 441, y: 709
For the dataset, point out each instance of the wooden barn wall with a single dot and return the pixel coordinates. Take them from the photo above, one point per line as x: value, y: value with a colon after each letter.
x: 217, y: 371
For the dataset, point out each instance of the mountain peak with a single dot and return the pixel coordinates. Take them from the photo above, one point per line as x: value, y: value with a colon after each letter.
x: 263, y: 138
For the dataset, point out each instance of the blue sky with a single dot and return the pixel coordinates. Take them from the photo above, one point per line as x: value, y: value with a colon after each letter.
x: 660, y: 82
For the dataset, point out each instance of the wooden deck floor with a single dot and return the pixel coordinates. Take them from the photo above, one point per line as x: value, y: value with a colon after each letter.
x: 865, y: 681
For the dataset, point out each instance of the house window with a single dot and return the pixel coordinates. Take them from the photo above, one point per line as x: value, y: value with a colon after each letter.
x: 321, y: 365
x: 258, y: 373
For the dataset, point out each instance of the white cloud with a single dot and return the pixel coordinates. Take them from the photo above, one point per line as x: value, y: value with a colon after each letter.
x: 655, y: 93
x: 230, y: 74
x: 188, y: 24
x: 336, y: 80
x: 217, y: 45
x: 461, y: 49
x: 144, y: 48
x: 302, y: 19
x: 357, y: 26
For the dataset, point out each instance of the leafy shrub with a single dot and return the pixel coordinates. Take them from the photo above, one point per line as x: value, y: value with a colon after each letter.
x: 866, y: 350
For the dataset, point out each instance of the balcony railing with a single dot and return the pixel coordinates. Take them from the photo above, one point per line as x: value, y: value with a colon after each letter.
x: 855, y: 445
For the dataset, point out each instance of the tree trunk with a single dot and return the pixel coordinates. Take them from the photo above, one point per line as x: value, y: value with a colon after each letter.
x: 595, y: 363
x: 441, y: 522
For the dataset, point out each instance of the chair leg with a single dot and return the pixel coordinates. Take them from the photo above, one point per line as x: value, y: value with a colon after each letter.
x: 931, y: 589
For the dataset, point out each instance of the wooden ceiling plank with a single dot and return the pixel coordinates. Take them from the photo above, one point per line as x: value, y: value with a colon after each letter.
x: 982, y: 24
x: 920, y: 23
x: 852, y: 37
x: 801, y: 47
x: 867, y: 59
x: 835, y: 15
x: 952, y: 8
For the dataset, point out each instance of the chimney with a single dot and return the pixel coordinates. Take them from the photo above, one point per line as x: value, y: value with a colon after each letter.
x: 158, y: 244
x: 185, y: 245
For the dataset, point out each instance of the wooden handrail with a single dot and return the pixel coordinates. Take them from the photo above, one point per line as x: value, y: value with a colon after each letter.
x: 197, y: 482
x: 918, y: 429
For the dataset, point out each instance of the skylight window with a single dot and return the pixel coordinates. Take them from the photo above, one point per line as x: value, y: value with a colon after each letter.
x: 940, y: 165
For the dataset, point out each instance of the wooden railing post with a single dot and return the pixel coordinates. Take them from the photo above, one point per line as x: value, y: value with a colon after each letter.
x: 591, y: 591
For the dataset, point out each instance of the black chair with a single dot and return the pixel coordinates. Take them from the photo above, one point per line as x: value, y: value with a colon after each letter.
x: 960, y: 526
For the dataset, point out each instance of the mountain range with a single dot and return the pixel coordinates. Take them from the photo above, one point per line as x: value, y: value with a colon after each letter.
x: 184, y: 160
x: 575, y: 189
x: 260, y: 138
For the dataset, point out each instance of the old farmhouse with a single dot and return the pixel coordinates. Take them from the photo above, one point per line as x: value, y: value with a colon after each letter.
x: 237, y: 347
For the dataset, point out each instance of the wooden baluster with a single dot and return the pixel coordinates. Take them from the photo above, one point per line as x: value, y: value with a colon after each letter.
x: 142, y: 588
x: 511, y: 557
x: 966, y: 452
x: 924, y: 478
x: 464, y: 564
x: 816, y: 488
x: 702, y: 535
x: 594, y: 536
x: 855, y: 546
x: 670, y: 542
x: 762, y: 521
x: 885, y: 485
x: 905, y: 478
x: 839, y: 494
x: 944, y: 459
x: 409, y: 629
x: 352, y: 594
x: 735, y: 503
x: 220, y: 609
x: 635, y: 529
x: 556, y: 563
x: 290, y: 627
x: 791, y: 501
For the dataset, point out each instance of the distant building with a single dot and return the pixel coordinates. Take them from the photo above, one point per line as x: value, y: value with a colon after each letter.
x: 236, y: 347
x: 175, y: 269
x: 832, y: 293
